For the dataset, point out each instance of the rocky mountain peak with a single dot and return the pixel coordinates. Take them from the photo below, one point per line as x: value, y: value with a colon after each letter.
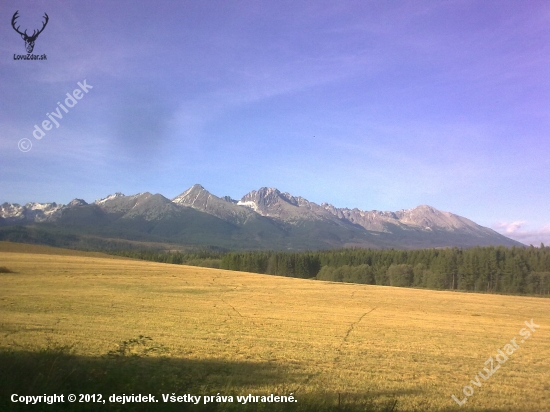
x: 121, y: 204
x: 196, y: 188
x: 110, y: 197
x: 195, y: 195
x: 225, y: 208
x: 261, y: 200
x: 285, y: 207
x: 32, y: 211
x: 229, y: 199
x: 267, y: 216
x: 428, y: 217
x: 77, y: 202
x: 12, y: 211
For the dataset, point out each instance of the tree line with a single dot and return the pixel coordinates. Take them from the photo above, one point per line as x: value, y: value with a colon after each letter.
x: 205, y: 258
x: 515, y: 270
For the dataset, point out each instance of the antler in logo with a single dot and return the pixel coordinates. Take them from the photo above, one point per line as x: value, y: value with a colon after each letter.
x: 29, y: 40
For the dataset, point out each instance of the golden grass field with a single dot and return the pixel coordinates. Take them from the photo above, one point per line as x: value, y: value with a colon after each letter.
x: 418, y: 347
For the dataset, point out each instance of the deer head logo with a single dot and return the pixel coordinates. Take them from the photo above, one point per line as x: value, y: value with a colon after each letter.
x: 29, y: 40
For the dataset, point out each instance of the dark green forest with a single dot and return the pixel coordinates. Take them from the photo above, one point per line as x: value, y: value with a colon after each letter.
x: 202, y: 257
x: 516, y: 270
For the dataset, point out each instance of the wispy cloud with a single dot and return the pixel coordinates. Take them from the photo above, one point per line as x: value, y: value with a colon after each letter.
x: 522, y: 232
x: 512, y: 227
x: 378, y: 105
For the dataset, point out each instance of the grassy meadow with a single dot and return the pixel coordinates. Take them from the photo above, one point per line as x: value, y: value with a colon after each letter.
x: 76, y: 322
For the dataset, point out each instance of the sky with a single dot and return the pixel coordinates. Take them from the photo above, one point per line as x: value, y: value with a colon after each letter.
x: 379, y: 105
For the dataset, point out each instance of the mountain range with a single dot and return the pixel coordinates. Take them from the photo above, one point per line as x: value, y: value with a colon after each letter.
x: 262, y: 219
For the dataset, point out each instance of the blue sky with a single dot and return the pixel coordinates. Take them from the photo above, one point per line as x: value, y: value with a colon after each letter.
x: 369, y: 104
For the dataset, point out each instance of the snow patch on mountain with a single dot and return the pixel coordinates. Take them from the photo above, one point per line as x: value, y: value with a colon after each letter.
x: 248, y: 203
x: 32, y: 211
x: 110, y: 197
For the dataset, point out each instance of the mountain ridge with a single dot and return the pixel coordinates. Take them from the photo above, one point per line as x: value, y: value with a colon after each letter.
x: 263, y: 218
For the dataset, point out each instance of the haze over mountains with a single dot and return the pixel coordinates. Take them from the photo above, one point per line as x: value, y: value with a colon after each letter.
x: 262, y: 219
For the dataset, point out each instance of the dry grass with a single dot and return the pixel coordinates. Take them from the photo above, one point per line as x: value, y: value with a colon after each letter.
x: 418, y: 347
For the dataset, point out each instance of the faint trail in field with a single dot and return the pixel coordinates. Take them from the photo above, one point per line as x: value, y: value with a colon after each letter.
x: 352, y: 326
x: 348, y: 332
x: 232, y: 307
x: 222, y: 293
x: 338, y: 350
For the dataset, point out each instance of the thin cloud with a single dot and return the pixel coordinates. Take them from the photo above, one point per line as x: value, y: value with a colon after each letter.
x: 512, y: 227
x: 520, y: 231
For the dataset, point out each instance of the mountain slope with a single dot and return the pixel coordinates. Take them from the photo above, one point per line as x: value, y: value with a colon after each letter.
x: 262, y: 219
x: 272, y: 203
x: 199, y: 198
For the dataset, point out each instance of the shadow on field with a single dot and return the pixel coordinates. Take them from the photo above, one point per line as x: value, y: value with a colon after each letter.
x: 56, y: 371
